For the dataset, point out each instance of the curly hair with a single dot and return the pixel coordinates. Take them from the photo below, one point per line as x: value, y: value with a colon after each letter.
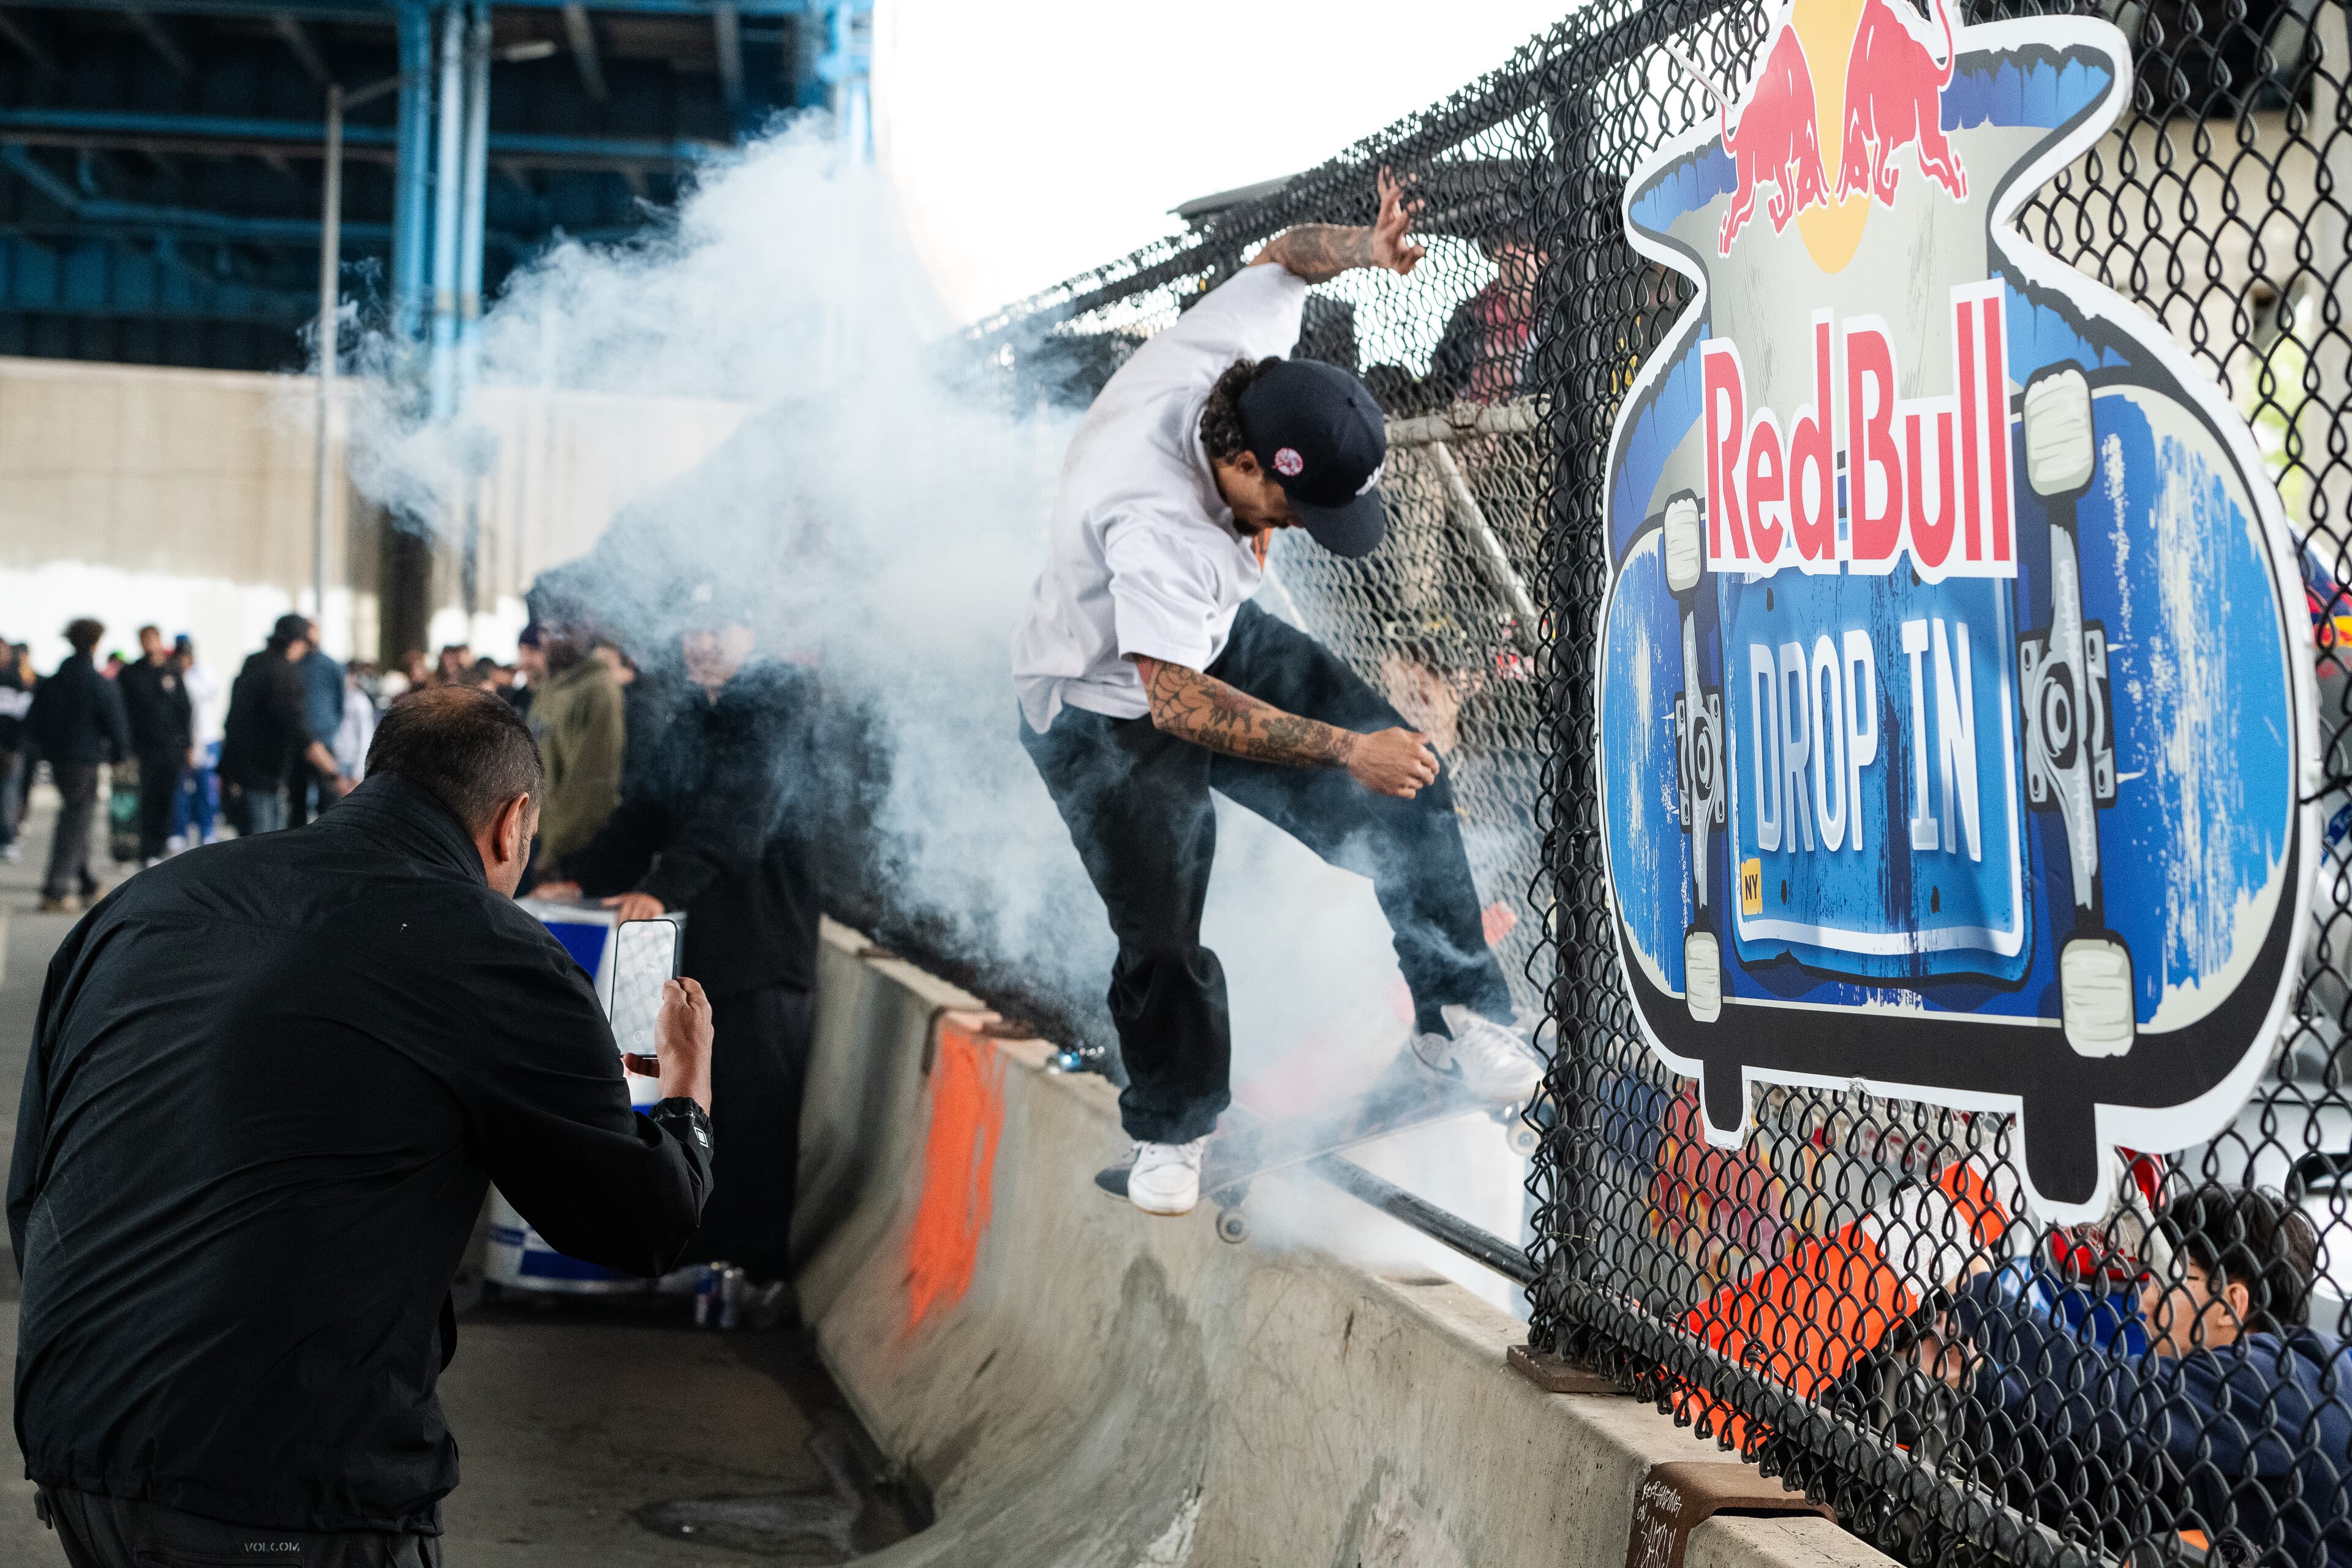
x: 1221, y: 420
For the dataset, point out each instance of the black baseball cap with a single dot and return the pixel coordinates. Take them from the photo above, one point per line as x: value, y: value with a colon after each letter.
x: 1318, y: 431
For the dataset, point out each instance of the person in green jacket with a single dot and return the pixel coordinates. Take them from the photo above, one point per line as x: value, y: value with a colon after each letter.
x: 581, y: 736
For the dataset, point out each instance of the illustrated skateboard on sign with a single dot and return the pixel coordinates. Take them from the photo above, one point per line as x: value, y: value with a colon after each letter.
x: 1406, y: 1095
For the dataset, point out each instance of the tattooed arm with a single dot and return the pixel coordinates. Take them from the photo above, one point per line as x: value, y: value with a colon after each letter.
x: 1208, y: 712
x: 1319, y: 252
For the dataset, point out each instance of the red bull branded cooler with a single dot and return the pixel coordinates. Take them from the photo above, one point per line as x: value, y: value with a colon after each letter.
x: 519, y: 1258
x: 1955, y: 699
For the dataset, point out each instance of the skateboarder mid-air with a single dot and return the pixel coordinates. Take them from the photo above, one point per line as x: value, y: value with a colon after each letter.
x: 1147, y: 678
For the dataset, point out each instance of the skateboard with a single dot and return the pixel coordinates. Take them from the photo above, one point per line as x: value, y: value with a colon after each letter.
x: 1406, y: 1095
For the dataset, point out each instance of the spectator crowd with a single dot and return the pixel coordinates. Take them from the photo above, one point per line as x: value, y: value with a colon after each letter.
x: 190, y: 755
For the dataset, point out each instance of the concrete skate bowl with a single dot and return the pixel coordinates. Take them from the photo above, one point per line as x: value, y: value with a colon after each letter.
x: 1071, y: 1384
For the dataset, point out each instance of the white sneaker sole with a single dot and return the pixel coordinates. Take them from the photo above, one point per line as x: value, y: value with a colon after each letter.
x: 1160, y: 1209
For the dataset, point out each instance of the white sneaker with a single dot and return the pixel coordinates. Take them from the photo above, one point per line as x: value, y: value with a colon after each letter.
x: 1166, y: 1178
x: 1494, y: 1061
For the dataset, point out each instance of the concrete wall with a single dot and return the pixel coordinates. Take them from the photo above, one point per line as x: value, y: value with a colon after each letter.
x: 1073, y: 1383
x: 185, y: 498
x: 178, y: 497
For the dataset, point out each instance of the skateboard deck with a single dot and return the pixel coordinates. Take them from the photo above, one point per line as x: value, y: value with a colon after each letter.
x: 1406, y: 1095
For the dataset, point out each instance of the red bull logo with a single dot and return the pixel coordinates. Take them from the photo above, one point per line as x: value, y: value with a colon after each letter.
x: 1895, y: 98
x: 1886, y: 99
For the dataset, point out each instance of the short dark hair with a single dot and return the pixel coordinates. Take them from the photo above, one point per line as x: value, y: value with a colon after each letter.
x: 468, y: 749
x: 84, y: 634
x: 1221, y: 435
x: 2247, y: 1237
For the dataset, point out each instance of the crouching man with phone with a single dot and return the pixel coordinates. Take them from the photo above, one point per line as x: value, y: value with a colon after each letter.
x: 270, y: 1080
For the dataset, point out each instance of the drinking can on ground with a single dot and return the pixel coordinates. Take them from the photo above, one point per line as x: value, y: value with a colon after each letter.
x: 732, y: 1285
x: 708, y: 1298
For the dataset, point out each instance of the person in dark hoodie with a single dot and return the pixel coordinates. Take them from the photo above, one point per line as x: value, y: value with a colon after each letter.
x: 270, y: 1082
x: 269, y: 750
x: 2234, y: 1432
x: 720, y: 823
x: 162, y: 728
x: 78, y: 723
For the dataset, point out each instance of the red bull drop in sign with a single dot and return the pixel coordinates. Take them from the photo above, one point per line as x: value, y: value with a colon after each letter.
x: 1956, y: 707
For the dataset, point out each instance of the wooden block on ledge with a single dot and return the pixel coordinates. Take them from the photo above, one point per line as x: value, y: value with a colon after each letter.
x: 1555, y: 1375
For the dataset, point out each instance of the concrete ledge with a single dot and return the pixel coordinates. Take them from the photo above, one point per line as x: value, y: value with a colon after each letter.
x: 1073, y: 1383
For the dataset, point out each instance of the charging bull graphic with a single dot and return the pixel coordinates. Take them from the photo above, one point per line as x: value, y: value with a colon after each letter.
x: 1955, y: 701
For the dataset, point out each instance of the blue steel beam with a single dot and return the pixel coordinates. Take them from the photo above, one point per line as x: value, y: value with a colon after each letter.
x: 448, y: 172
x: 107, y: 277
x: 473, y: 190
x: 411, y: 188
x: 96, y: 127
x: 105, y: 216
x: 141, y: 215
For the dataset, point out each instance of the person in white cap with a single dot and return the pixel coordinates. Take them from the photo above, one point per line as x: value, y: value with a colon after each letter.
x: 1147, y: 678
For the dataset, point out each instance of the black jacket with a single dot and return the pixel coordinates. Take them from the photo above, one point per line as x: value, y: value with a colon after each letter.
x: 719, y: 821
x: 266, y: 732
x: 156, y: 700
x: 77, y: 716
x: 270, y: 1081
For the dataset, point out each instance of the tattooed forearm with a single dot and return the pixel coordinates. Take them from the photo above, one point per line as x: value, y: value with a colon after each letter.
x: 1208, y: 712
x: 1318, y: 252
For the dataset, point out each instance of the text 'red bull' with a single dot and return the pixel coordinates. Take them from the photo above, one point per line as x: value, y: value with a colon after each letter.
x: 1925, y: 476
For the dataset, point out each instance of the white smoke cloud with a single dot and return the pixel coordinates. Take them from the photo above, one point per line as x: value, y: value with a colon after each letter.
x: 897, y: 525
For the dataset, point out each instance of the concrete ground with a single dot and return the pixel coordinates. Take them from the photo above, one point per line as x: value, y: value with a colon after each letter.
x: 591, y: 1433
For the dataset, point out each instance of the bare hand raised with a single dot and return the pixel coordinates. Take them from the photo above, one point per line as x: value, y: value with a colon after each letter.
x: 1393, y: 762
x: 1390, y: 248
x: 682, y: 1037
x: 637, y: 906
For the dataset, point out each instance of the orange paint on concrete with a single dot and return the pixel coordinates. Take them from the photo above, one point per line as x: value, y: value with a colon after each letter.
x: 959, y: 1165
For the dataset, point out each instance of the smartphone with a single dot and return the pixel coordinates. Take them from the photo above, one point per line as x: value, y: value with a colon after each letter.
x: 644, y: 959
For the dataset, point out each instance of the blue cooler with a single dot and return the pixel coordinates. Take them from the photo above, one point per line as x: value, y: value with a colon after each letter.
x: 520, y: 1259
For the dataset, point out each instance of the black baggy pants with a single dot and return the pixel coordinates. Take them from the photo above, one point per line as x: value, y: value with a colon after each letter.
x: 98, y: 1531
x: 158, y: 794
x: 759, y: 1067
x: 69, y: 874
x: 1136, y: 803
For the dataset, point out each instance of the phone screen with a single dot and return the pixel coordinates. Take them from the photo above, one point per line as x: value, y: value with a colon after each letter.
x: 644, y: 958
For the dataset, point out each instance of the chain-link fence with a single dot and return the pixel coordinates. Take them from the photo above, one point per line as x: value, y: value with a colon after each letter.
x: 1857, y: 1296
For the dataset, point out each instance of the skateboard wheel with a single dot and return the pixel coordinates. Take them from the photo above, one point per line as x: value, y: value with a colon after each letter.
x: 1232, y: 1225
x: 2059, y: 443
x: 1524, y: 1139
x: 1703, y: 977
x: 1685, y: 558
x: 2095, y: 989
